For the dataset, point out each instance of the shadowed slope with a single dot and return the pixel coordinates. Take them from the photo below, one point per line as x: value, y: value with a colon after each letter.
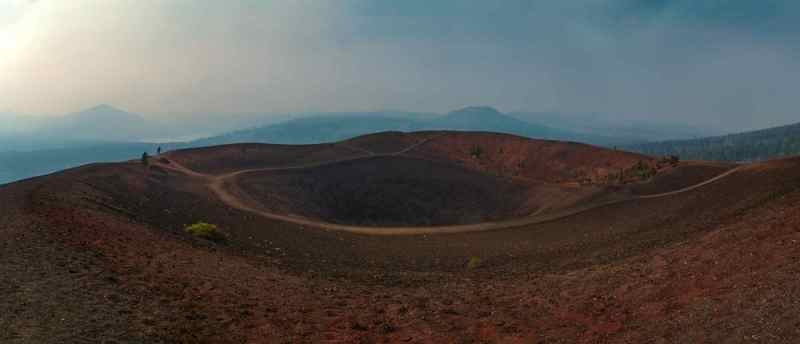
x: 230, y: 158
x: 389, y: 191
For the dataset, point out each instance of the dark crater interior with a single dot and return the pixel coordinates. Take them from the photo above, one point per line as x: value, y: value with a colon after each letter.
x: 388, y: 191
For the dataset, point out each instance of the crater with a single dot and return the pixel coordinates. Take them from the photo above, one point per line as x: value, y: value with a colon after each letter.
x: 423, y: 178
x: 389, y: 191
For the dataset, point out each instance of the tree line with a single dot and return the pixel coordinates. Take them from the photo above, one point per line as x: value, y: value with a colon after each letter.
x: 749, y: 146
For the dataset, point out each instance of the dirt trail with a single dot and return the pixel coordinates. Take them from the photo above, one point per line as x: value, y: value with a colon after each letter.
x: 217, y: 184
x: 369, y: 154
x: 692, y: 187
x: 358, y: 149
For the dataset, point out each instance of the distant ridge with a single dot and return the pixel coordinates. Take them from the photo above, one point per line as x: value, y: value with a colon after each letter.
x: 104, y: 112
x: 747, y: 146
x: 340, y: 126
x: 102, y: 123
x: 485, y: 118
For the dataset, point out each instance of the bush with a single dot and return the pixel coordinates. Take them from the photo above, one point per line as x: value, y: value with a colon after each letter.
x: 205, y: 231
x: 641, y: 171
x: 474, y: 262
x: 674, y: 160
x: 476, y: 151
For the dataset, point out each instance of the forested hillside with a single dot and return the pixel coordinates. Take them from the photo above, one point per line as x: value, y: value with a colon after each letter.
x: 748, y: 146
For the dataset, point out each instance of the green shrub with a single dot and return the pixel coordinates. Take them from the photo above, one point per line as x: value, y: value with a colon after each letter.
x: 476, y: 151
x: 205, y: 231
x: 474, y: 262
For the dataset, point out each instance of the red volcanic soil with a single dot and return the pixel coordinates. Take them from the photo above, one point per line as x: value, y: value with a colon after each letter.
x: 690, y: 173
x: 391, y: 141
x: 98, y: 254
x: 541, y: 160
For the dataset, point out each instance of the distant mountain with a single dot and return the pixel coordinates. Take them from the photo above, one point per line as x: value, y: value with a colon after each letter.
x: 339, y: 126
x: 99, y: 123
x: 623, y: 130
x: 326, y: 128
x: 748, y: 146
x: 485, y: 118
x: 102, y: 133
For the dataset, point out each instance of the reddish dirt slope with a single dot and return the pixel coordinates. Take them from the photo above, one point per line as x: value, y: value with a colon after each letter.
x: 689, y: 173
x: 390, y: 142
x: 98, y: 254
x: 540, y: 160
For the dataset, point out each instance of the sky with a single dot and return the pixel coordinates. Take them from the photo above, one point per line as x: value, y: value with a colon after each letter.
x: 731, y: 65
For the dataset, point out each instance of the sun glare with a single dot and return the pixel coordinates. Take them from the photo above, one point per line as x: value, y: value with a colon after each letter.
x: 17, y: 24
x: 6, y: 41
x: 9, y: 21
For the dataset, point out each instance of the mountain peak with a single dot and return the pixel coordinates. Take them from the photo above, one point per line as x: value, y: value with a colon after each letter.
x: 101, y: 122
x: 484, y: 110
x: 103, y: 108
x: 105, y: 112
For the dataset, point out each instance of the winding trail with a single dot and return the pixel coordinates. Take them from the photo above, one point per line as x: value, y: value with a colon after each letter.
x: 218, y: 184
x: 695, y: 186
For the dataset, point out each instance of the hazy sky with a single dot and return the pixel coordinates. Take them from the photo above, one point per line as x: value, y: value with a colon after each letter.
x: 731, y: 64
